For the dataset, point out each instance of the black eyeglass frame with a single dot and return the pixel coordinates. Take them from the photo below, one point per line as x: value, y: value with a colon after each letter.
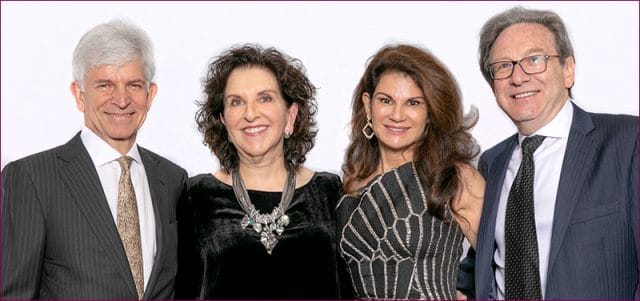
x: 513, y: 65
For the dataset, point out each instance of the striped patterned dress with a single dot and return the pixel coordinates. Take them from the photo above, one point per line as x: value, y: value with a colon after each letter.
x: 393, y: 248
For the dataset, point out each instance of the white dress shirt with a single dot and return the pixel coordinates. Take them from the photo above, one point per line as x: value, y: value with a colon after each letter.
x: 104, y: 159
x: 548, y: 160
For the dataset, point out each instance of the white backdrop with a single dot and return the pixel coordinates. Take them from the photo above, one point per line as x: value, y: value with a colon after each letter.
x: 332, y: 39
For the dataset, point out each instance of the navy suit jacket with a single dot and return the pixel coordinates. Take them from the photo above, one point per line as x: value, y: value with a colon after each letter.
x: 59, y: 239
x: 594, y: 241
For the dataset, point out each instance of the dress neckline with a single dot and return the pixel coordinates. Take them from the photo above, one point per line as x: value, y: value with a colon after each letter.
x: 377, y: 177
x: 215, y: 179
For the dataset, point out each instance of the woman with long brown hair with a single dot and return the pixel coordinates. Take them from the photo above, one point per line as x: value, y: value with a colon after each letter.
x: 412, y: 193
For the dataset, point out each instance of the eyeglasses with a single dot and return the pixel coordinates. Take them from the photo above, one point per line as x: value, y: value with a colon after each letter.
x: 530, y: 65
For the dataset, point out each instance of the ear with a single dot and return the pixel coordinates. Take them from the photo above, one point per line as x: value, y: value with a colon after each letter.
x: 292, y: 114
x: 222, y: 119
x: 366, y: 101
x: 229, y: 136
x: 76, y: 90
x: 569, y: 71
x: 153, y: 89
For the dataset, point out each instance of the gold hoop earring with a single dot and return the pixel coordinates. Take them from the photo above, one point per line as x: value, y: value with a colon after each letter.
x: 367, y: 130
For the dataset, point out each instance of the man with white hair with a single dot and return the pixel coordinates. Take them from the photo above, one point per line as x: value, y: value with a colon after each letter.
x: 95, y: 218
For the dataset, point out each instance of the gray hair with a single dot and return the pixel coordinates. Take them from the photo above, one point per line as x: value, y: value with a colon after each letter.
x: 494, y: 26
x: 113, y: 43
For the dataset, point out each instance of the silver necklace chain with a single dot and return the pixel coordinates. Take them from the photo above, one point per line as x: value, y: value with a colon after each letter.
x: 269, y: 225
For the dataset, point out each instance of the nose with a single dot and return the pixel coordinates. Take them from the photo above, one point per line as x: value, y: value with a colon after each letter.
x: 397, y: 113
x: 251, y: 111
x: 518, y: 77
x: 121, y: 97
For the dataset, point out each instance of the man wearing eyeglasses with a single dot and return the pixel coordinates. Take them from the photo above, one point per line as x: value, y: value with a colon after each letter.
x: 560, y: 216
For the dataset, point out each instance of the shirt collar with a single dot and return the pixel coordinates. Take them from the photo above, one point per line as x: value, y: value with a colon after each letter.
x: 560, y: 125
x: 101, y: 152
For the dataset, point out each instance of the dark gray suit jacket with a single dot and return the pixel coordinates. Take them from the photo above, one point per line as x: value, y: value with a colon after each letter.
x: 59, y: 239
x: 594, y: 241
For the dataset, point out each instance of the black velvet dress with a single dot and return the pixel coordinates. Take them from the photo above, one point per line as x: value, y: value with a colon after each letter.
x: 220, y: 260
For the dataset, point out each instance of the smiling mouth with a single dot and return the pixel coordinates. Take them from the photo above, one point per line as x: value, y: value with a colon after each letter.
x: 525, y: 94
x: 254, y: 130
x: 120, y: 115
x: 396, y: 130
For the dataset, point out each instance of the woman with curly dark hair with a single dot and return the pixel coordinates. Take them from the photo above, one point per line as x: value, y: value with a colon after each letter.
x: 263, y: 226
x: 412, y: 193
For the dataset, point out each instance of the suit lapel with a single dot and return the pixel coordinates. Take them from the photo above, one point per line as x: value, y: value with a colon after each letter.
x: 578, y: 157
x: 158, y: 189
x: 81, y: 178
x: 494, y: 175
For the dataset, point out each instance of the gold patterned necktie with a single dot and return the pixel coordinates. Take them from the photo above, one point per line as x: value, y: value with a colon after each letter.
x: 129, y: 225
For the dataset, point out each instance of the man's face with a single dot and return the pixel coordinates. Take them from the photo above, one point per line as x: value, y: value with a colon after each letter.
x: 531, y: 100
x: 115, y: 100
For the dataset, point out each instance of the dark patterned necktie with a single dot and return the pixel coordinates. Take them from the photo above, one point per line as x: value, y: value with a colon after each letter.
x: 129, y: 224
x: 522, y: 275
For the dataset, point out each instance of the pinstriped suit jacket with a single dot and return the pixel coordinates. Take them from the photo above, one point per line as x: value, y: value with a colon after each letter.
x: 594, y: 241
x: 59, y: 239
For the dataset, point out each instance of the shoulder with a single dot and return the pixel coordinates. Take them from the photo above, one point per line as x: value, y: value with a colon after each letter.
x: 329, y: 178
x: 497, y: 149
x: 490, y: 156
x: 472, y: 184
x: 616, y: 133
x: 345, y: 206
x: 469, y: 175
x: 467, y: 205
x: 326, y: 183
x: 323, y: 189
x: 612, y: 124
x: 205, y: 190
x: 204, y: 181
x: 325, y: 179
x: 41, y: 161
x: 603, y: 126
x: 164, y: 163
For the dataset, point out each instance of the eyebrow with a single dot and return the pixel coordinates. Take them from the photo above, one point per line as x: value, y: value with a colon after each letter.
x: 263, y: 92
x: 527, y: 53
x: 105, y: 81
x: 267, y: 91
x: 409, y: 98
x: 101, y: 81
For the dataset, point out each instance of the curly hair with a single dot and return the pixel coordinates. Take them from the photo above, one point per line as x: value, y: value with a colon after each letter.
x: 447, y: 141
x: 295, y: 88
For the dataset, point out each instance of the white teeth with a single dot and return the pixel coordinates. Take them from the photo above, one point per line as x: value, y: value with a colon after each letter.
x: 121, y: 115
x: 527, y: 94
x: 396, y: 129
x: 254, y: 130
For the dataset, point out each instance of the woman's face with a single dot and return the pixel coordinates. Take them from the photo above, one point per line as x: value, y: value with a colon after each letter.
x: 255, y: 113
x: 398, y: 113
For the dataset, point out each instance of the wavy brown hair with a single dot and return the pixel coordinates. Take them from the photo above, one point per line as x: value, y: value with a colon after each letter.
x: 294, y: 85
x: 447, y: 141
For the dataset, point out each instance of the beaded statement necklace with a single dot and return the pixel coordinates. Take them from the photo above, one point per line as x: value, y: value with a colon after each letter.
x: 267, y: 225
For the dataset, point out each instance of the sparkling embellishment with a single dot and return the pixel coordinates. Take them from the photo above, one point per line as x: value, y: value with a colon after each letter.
x: 264, y: 224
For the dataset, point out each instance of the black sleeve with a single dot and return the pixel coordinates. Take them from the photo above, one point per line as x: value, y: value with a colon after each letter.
x: 466, y: 280
x: 190, y: 268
